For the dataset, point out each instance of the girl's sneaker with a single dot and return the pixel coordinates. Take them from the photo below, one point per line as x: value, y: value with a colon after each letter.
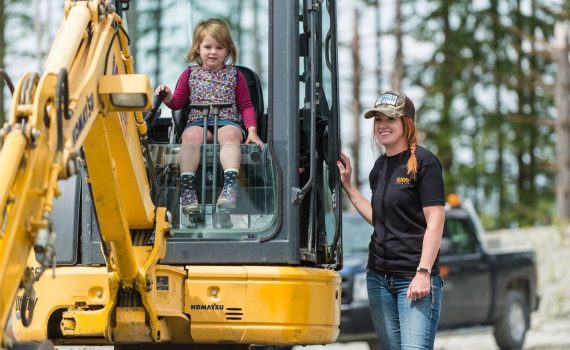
x: 189, y: 201
x: 227, y: 198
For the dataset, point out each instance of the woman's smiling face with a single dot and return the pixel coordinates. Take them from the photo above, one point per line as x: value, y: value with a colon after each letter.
x: 389, y: 132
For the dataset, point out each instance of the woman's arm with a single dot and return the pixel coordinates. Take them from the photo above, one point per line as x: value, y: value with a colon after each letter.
x: 435, y: 218
x: 360, y: 203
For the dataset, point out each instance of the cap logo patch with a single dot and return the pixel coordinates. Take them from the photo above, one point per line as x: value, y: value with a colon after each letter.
x: 387, y: 99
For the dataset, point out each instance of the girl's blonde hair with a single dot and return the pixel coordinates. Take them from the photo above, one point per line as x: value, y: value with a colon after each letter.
x: 220, y: 31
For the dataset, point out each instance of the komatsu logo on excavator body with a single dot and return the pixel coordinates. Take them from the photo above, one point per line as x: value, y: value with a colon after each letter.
x: 83, y: 117
x: 206, y: 307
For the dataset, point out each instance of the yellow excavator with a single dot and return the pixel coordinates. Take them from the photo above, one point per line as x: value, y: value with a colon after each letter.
x: 114, y: 260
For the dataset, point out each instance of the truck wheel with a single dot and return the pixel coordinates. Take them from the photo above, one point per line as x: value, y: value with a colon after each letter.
x: 510, y: 329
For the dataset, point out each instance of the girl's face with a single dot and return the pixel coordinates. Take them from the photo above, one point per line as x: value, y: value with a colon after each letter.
x: 390, y: 133
x: 212, y: 53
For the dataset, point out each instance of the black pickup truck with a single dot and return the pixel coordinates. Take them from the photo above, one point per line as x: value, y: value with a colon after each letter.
x: 481, y: 286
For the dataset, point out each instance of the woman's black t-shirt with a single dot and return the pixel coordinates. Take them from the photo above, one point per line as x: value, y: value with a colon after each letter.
x: 397, y: 211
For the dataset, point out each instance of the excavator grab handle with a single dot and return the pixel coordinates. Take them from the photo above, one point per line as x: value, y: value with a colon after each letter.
x: 151, y: 116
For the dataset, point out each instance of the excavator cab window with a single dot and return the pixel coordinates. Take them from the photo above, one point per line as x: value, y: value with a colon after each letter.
x: 255, y: 211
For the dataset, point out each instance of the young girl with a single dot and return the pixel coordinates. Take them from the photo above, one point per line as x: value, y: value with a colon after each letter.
x: 213, y: 79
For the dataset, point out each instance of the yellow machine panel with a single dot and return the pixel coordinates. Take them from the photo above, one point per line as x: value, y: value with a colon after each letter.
x: 208, y: 304
x: 262, y: 304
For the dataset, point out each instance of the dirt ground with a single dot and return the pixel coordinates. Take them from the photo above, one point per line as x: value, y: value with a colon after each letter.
x: 544, y: 335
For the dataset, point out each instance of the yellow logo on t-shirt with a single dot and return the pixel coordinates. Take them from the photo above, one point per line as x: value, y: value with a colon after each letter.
x: 403, y: 180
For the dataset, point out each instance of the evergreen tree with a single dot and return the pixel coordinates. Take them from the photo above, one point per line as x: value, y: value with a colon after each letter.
x: 521, y: 106
x: 446, y: 78
x: 485, y: 97
x: 532, y: 112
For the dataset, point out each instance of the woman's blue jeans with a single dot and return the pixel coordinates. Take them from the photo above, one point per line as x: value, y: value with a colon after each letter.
x: 401, y: 323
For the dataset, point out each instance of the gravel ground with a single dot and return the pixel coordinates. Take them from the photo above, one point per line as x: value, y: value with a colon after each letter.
x: 551, y: 335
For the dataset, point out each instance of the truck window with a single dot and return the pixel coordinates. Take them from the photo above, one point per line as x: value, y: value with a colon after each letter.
x: 461, y: 236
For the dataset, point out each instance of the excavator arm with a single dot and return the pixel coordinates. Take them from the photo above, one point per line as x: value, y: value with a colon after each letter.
x: 86, y: 107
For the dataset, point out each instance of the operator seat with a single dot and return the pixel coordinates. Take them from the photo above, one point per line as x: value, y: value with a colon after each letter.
x: 180, y: 117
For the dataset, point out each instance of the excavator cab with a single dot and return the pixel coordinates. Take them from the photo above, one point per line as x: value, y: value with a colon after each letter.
x: 260, y: 273
x: 288, y: 193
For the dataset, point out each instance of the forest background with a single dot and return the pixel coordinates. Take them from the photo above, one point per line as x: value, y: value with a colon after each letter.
x: 483, y: 76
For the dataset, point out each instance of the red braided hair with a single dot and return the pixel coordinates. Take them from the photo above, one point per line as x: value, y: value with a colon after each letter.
x: 411, y: 135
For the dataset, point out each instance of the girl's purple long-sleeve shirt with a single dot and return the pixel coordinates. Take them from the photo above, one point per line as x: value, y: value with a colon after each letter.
x: 243, y: 99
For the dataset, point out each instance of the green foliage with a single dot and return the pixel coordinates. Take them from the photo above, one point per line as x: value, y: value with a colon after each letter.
x: 486, y: 112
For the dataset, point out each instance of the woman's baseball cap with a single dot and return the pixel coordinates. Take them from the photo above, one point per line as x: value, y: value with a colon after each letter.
x: 392, y: 104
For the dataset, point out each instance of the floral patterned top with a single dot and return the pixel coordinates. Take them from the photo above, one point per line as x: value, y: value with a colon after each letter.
x: 198, y: 85
x: 214, y: 86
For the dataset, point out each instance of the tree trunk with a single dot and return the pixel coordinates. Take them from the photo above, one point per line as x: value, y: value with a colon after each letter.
x: 562, y: 127
x: 519, y: 126
x: 38, y: 32
x: 356, y: 107
x: 533, y: 137
x: 398, y: 73
x: 378, y: 48
x: 237, y: 24
x: 257, y: 40
x: 158, y: 39
x: 132, y: 19
x: 500, y: 170
x: 446, y: 125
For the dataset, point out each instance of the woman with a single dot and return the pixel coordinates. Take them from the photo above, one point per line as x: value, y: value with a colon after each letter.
x: 407, y: 213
